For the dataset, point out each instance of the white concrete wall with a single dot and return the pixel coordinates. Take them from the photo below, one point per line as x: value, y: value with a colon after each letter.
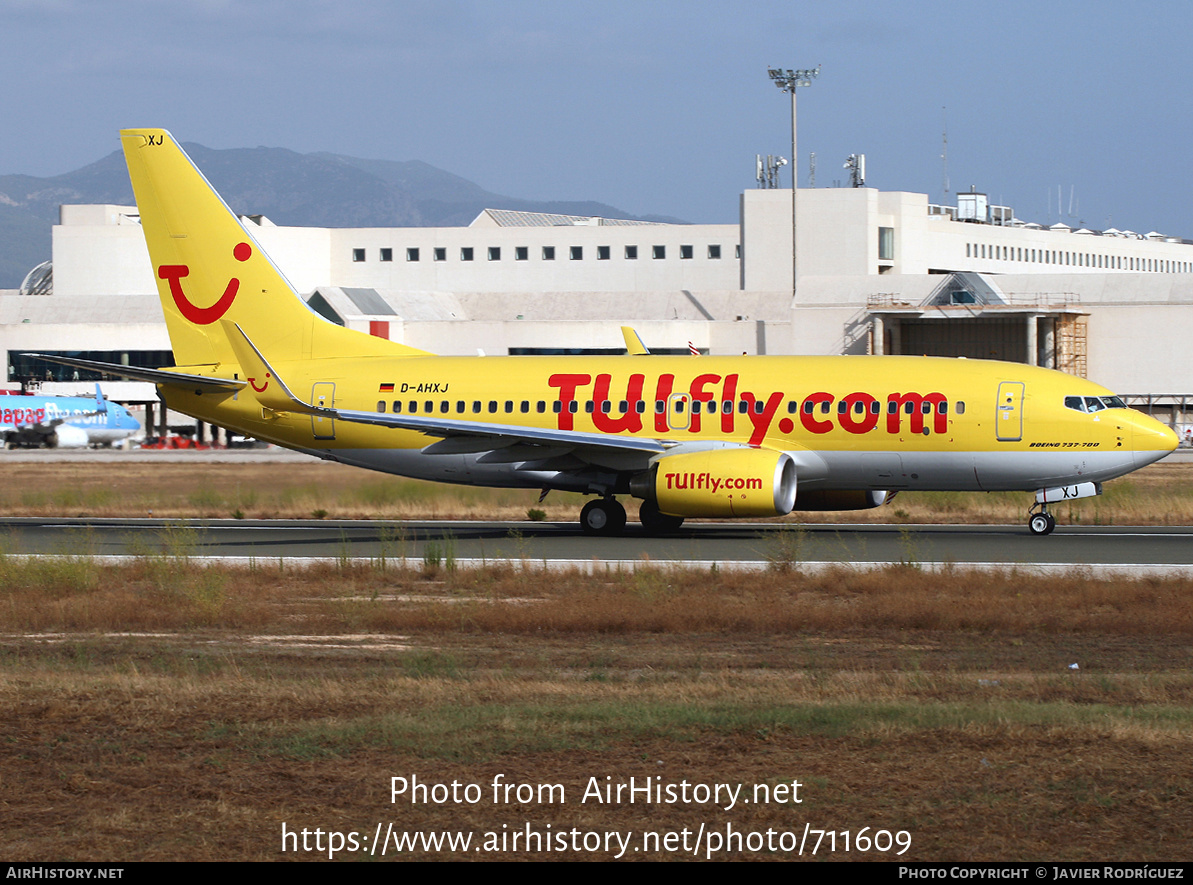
x: 508, y: 274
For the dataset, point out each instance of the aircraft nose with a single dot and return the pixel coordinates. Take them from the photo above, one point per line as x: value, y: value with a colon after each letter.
x: 1150, y: 440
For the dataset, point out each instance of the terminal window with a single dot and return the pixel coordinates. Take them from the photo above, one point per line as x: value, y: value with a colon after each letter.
x: 659, y: 251
x: 886, y: 244
x: 577, y: 253
x: 521, y: 253
x: 548, y: 253
x: 631, y: 253
x: 685, y: 252
x: 494, y: 253
x: 602, y: 253
x: 465, y: 253
x: 412, y: 254
x: 440, y: 254
x: 358, y: 254
x: 387, y: 254
x: 714, y: 252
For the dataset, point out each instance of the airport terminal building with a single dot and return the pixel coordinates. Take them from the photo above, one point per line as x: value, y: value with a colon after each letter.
x: 867, y: 272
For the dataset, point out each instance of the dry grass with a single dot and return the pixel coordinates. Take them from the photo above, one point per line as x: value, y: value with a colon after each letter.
x: 169, y: 593
x: 301, y: 488
x: 163, y: 710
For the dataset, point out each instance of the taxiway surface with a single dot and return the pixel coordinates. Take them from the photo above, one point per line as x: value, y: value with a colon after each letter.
x: 1128, y: 548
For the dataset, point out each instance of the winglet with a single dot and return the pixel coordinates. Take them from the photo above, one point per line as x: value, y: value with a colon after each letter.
x: 633, y: 343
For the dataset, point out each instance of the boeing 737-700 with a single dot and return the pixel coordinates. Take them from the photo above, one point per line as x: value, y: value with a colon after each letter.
x: 691, y: 436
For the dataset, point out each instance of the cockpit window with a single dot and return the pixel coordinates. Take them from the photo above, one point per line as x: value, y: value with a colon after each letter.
x: 1094, y: 403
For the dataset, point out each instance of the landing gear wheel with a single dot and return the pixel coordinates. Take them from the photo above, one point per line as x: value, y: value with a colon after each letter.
x: 1041, y: 523
x: 655, y: 522
x: 603, y: 517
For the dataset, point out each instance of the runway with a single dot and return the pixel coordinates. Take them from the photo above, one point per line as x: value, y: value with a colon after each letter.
x: 1126, y: 549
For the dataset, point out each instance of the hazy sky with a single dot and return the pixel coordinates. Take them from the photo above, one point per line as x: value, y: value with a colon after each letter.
x: 654, y: 107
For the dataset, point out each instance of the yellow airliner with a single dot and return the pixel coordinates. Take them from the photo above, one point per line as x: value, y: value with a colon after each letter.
x: 692, y: 436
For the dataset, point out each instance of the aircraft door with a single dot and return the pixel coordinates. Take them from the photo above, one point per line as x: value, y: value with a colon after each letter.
x: 1008, y: 421
x: 323, y: 395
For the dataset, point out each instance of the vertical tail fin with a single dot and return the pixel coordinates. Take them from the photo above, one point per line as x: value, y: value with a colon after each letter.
x: 208, y: 268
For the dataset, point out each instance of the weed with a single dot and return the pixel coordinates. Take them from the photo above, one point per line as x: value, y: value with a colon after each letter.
x: 536, y: 515
x: 432, y: 557
x: 387, y: 537
x: 908, y: 549
x: 786, y: 547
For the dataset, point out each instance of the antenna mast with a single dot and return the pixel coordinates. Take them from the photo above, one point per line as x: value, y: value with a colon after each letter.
x: 944, y: 151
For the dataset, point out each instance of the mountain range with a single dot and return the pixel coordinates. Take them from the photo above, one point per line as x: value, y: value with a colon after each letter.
x: 319, y: 190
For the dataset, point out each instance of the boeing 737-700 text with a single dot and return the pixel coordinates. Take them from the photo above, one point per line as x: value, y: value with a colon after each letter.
x: 692, y: 436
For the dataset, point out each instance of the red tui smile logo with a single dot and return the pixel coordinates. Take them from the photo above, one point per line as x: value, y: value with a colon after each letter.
x: 202, y: 316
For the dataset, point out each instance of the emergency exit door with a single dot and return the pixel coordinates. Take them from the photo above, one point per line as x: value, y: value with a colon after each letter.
x: 323, y: 396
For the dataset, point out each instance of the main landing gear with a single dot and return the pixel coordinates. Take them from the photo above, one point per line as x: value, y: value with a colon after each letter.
x: 1040, y: 521
x: 657, y: 523
x: 604, y: 516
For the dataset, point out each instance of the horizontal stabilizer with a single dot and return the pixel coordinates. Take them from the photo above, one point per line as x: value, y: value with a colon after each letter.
x: 153, y: 376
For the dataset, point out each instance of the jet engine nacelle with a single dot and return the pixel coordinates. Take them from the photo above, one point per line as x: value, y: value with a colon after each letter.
x: 720, y: 483
x: 67, y: 437
x: 842, y: 499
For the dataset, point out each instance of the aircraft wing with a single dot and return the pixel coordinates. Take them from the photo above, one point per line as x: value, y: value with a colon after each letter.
x: 505, y: 443
x: 447, y: 427
x: 533, y: 448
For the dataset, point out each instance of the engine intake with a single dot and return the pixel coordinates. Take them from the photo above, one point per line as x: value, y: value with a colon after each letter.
x: 67, y: 436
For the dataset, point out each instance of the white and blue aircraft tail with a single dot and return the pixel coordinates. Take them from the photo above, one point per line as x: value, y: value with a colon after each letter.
x: 64, y: 422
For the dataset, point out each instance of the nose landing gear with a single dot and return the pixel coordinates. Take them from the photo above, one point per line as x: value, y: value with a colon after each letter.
x: 1039, y: 520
